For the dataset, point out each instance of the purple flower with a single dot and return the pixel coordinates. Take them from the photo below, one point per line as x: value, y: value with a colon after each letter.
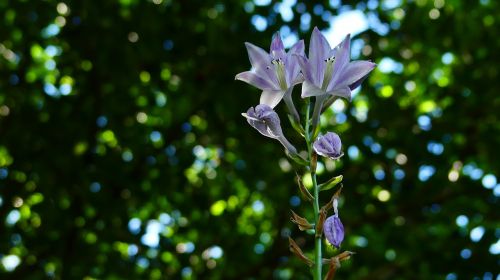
x: 276, y: 72
x: 265, y: 120
x: 328, y: 145
x: 329, y: 71
x: 333, y: 227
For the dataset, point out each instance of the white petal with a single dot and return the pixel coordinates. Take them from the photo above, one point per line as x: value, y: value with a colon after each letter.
x: 271, y: 97
x: 309, y: 89
x: 342, y: 92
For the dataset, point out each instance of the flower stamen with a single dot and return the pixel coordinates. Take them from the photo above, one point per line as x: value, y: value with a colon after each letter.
x: 330, y: 63
x: 279, y: 67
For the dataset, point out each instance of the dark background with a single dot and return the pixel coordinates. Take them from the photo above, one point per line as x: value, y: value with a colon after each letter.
x: 123, y: 154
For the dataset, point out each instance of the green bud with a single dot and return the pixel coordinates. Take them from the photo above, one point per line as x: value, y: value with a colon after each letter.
x: 330, y: 183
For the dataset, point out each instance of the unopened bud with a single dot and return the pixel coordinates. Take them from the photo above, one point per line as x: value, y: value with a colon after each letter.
x: 328, y: 145
x: 266, y: 121
x: 334, y: 230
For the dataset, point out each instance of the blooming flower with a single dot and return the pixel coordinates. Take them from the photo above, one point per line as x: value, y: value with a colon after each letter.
x: 328, y: 145
x: 276, y: 72
x: 265, y: 120
x: 333, y: 227
x: 329, y: 71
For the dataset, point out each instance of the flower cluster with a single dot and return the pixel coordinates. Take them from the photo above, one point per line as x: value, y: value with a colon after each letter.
x: 325, y: 74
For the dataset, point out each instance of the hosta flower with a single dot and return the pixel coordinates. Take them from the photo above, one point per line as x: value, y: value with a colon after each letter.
x: 333, y: 227
x: 267, y: 122
x: 328, y: 145
x: 329, y: 71
x: 276, y: 72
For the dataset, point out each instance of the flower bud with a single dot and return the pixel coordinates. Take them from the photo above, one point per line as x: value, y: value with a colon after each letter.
x: 334, y: 230
x: 333, y: 227
x: 265, y: 120
x: 328, y: 145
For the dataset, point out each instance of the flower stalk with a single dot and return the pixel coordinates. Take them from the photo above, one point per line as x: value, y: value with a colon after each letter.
x: 309, y: 135
x: 326, y: 74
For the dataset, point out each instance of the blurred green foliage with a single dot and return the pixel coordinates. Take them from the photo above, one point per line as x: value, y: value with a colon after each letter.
x: 123, y: 154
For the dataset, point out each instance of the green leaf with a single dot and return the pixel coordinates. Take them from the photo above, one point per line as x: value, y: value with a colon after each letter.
x: 330, y: 183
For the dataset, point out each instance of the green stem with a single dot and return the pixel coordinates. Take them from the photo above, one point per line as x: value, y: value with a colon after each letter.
x: 318, y: 105
x: 306, y: 127
x: 317, y: 270
x: 291, y: 107
x: 317, y: 242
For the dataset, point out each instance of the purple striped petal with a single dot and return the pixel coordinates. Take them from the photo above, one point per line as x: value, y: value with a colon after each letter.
x: 357, y: 83
x: 334, y: 230
x: 264, y: 120
x: 342, y: 58
x: 328, y: 145
x: 353, y: 72
x: 260, y: 61
x: 318, y: 52
x: 256, y: 122
x: 298, y: 48
x: 305, y: 66
x: 344, y: 92
x: 343, y: 53
x: 341, y: 61
x: 254, y: 80
x: 292, y: 64
x: 277, y: 49
x: 309, y: 89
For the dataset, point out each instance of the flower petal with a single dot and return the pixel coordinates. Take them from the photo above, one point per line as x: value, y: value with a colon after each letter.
x: 354, y: 71
x: 319, y: 48
x: 343, y: 53
x: 334, y: 140
x: 299, y: 79
x: 344, y: 92
x: 305, y: 66
x: 334, y: 230
x: 291, y: 63
x: 260, y: 60
x: 328, y: 145
x: 342, y: 57
x: 271, y: 97
x: 277, y: 49
x: 298, y: 48
x: 271, y: 119
x: 357, y: 83
x: 309, y: 89
x: 320, y: 147
x: 256, y: 122
x: 253, y: 79
x: 292, y: 69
